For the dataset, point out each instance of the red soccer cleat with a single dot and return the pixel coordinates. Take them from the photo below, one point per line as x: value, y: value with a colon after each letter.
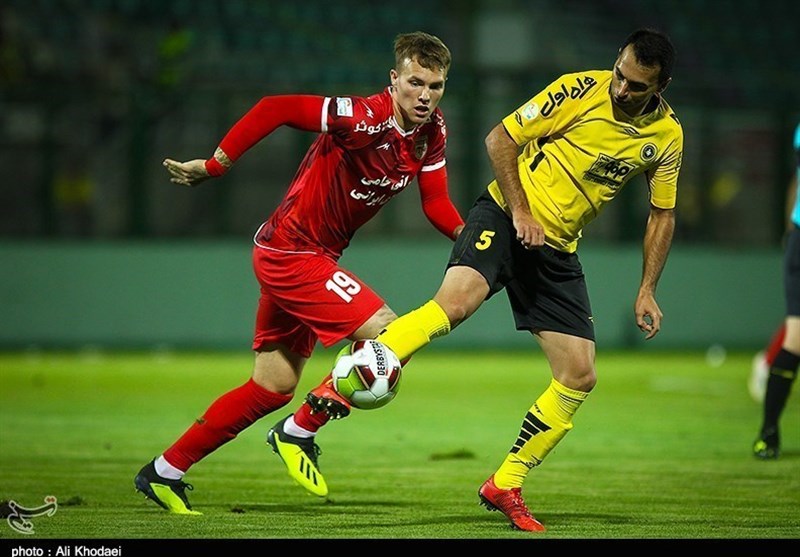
x: 510, y: 503
x: 324, y: 398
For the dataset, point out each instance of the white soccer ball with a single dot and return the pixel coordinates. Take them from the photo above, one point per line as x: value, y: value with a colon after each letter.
x: 367, y: 373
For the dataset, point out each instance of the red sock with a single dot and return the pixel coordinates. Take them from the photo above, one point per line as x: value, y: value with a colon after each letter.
x: 224, y: 419
x: 775, y: 344
x: 308, y: 420
x: 314, y: 421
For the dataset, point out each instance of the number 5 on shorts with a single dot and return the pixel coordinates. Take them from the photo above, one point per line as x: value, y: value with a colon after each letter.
x: 485, y: 240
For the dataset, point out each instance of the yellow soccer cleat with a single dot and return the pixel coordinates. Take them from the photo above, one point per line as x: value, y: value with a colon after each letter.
x: 767, y: 445
x: 300, y: 457
x: 169, y: 494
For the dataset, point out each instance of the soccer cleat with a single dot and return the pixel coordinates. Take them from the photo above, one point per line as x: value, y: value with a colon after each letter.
x: 510, y: 503
x: 300, y: 457
x: 767, y: 446
x: 324, y: 398
x: 169, y: 494
x: 759, y: 375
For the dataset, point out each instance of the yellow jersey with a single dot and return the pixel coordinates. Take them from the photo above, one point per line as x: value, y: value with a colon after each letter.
x: 579, y: 152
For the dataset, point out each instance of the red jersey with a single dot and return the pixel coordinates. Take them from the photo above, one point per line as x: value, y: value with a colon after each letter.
x: 362, y: 159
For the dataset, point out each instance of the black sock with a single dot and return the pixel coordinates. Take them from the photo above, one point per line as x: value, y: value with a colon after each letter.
x: 782, y: 374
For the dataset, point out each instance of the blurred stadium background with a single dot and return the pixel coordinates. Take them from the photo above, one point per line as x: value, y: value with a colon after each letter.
x: 99, y: 249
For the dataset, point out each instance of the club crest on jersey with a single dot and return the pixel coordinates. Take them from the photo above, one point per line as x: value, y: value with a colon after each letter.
x: 420, y: 147
x: 649, y: 152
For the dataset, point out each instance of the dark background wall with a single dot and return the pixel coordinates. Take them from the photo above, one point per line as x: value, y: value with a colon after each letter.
x: 94, y: 94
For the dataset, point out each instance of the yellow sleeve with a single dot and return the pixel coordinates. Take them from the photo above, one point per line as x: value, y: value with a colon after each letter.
x: 663, y: 178
x: 538, y: 117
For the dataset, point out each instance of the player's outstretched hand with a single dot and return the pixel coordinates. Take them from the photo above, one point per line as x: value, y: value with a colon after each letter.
x: 189, y: 173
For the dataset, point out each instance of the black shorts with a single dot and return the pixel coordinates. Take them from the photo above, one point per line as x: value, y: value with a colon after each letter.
x: 546, y: 287
x: 791, y: 273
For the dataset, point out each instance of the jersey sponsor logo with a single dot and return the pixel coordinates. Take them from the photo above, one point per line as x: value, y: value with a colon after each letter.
x: 371, y: 198
x: 608, y: 171
x: 344, y: 107
x: 420, y: 147
x: 577, y: 91
x: 648, y: 152
x: 387, y: 182
x: 362, y: 126
x: 374, y: 196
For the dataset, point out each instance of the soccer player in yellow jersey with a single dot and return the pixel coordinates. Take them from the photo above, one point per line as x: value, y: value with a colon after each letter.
x: 583, y: 138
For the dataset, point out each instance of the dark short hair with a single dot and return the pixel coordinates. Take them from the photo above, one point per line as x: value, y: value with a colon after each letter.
x: 429, y: 51
x: 653, y: 48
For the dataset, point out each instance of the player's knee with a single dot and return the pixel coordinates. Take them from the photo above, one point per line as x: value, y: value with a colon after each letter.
x: 279, y: 385
x: 276, y: 379
x: 579, y: 376
x: 457, y: 308
x: 457, y: 312
x: 587, y: 381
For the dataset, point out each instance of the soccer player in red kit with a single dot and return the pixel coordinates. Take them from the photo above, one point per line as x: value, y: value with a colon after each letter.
x: 369, y: 149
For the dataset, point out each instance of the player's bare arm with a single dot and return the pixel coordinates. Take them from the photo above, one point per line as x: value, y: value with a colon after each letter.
x: 503, y: 152
x: 657, y: 242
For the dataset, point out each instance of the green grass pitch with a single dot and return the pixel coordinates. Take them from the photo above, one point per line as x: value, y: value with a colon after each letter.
x: 660, y: 450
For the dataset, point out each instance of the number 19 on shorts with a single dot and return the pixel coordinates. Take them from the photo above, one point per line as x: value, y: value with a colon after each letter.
x: 343, y: 286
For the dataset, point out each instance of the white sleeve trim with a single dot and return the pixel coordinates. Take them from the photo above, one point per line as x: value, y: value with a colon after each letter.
x: 436, y: 166
x: 324, y: 117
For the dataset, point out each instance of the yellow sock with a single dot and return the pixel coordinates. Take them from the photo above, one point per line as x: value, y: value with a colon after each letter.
x: 410, y: 332
x: 545, y: 424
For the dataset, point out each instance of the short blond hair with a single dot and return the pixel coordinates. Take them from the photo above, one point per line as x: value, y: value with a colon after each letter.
x: 429, y: 51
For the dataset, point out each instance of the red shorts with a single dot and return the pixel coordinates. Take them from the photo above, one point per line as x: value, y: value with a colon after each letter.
x: 305, y: 297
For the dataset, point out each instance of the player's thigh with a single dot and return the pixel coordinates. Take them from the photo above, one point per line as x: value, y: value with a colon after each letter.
x: 276, y: 327
x: 328, y: 299
x: 548, y: 293
x: 485, y: 243
x: 480, y: 261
